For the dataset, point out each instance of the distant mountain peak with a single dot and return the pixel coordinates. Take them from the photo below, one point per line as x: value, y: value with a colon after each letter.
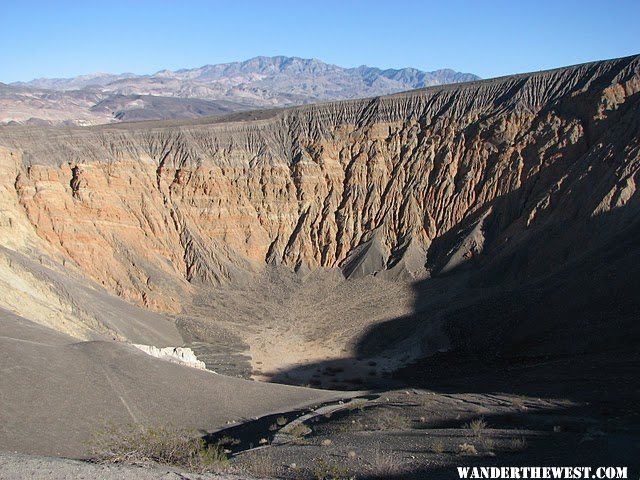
x: 258, y: 82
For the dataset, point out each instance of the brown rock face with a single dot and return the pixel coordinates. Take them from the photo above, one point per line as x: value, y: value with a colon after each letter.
x: 405, y: 186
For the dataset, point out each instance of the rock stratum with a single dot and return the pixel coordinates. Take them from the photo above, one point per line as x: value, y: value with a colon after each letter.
x: 496, y: 217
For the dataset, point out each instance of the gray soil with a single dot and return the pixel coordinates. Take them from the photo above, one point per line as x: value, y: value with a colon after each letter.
x: 22, y: 467
x: 526, y: 415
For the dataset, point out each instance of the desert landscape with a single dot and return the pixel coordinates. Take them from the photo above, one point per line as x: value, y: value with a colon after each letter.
x: 210, y: 90
x: 386, y: 287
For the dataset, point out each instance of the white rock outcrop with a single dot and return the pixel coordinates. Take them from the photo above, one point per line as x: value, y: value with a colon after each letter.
x: 181, y: 355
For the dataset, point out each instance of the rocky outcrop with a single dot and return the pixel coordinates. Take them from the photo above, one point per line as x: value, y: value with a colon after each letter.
x: 181, y: 355
x: 408, y: 185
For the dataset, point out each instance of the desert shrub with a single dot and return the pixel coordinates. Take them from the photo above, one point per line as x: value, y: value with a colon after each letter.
x: 299, y: 430
x: 476, y: 426
x: 346, y: 425
x: 260, y: 463
x: 424, y: 400
x: 135, y: 444
x: 437, y: 447
x: 488, y: 444
x: 325, y: 470
x: 391, y: 419
x: 518, y: 445
x: 357, y: 405
x: 467, y: 449
x: 280, y: 422
x: 228, y: 442
x: 384, y: 463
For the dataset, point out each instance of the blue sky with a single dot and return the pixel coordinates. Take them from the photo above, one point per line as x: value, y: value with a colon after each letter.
x: 489, y: 38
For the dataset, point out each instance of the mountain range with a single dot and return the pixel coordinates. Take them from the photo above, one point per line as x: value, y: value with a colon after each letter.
x: 260, y: 82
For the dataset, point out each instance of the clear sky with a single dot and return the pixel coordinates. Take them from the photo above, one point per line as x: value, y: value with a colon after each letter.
x: 488, y: 38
